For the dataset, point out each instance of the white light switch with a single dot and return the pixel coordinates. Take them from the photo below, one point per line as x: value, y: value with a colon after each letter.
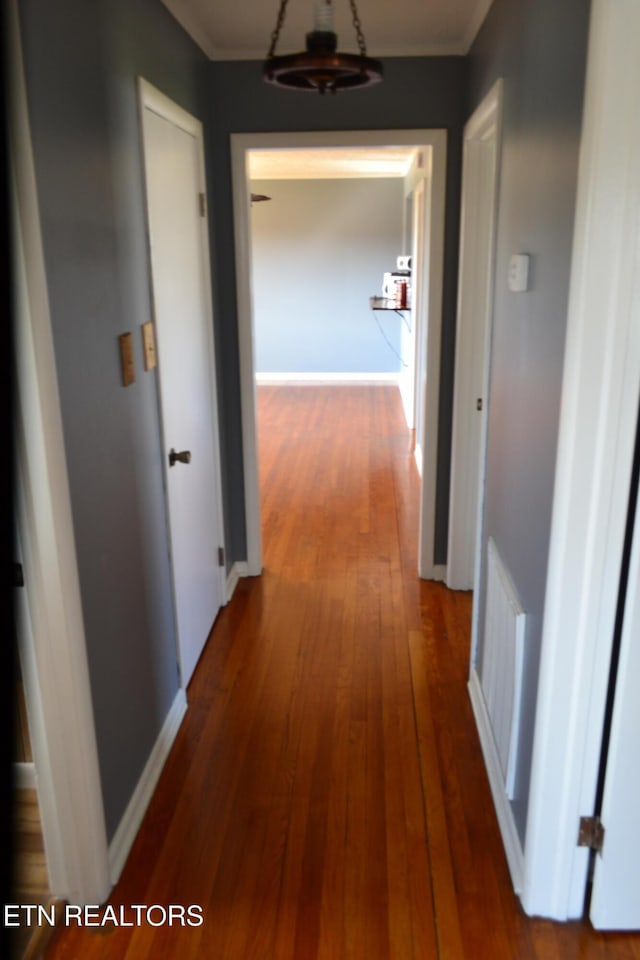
x: 519, y: 273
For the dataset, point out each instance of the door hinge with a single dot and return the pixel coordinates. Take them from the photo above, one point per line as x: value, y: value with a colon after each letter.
x: 221, y: 556
x: 591, y: 833
x: 203, y: 204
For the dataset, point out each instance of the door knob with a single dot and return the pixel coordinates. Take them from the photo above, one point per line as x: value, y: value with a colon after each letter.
x: 184, y: 456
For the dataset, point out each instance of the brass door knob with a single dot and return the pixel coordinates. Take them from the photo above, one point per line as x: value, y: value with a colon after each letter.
x: 184, y: 457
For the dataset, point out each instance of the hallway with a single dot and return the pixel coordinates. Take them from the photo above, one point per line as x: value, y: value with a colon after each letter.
x: 326, y: 796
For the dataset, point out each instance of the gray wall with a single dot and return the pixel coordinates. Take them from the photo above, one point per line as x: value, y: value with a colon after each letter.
x: 319, y: 251
x: 81, y: 61
x: 424, y: 92
x: 539, y: 48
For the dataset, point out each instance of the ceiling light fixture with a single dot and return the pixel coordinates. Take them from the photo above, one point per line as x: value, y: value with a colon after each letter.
x: 321, y: 67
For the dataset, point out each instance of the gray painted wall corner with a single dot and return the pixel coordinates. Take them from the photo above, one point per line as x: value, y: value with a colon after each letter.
x: 539, y: 49
x: 81, y: 64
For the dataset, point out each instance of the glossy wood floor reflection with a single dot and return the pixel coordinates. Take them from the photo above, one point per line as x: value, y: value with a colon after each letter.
x: 326, y: 797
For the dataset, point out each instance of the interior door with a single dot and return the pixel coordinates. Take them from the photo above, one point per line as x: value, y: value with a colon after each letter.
x: 615, y: 899
x: 472, y: 346
x: 183, y: 324
x: 470, y: 401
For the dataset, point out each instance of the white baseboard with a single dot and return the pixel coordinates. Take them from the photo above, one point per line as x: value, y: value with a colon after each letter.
x: 24, y: 776
x: 504, y: 813
x: 434, y: 572
x: 130, y: 824
x: 239, y: 569
x: 344, y: 379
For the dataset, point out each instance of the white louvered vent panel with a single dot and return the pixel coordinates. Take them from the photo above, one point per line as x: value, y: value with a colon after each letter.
x: 502, y: 663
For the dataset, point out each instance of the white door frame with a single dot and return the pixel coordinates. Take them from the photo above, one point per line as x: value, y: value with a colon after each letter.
x: 241, y: 144
x: 472, y: 366
x: 53, y: 644
x: 615, y: 895
x: 601, y: 389
x: 149, y: 97
x: 418, y: 313
x: 415, y: 244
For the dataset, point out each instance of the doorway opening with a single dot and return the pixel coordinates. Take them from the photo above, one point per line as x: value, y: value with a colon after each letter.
x: 326, y: 241
x: 425, y: 363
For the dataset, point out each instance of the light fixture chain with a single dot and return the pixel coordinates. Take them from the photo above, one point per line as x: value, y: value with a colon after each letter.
x: 358, y: 28
x: 275, y: 36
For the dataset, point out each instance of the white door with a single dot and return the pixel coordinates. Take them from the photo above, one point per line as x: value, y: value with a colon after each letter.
x: 183, y: 322
x: 473, y: 328
x: 615, y: 900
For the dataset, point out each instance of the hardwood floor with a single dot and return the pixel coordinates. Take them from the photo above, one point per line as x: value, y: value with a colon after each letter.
x: 30, y: 874
x: 326, y: 796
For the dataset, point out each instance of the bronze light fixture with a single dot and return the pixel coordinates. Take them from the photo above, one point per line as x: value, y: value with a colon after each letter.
x: 321, y: 67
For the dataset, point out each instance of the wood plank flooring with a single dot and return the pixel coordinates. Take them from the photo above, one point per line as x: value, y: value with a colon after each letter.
x: 326, y: 797
x: 30, y: 874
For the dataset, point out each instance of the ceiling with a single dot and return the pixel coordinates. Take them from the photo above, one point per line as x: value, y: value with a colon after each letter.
x: 323, y: 163
x: 241, y: 29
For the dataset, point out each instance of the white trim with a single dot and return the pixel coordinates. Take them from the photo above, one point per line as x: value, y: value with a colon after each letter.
x: 413, y: 344
x: 431, y: 412
x: 53, y: 645
x: 415, y: 50
x: 242, y: 239
x: 241, y: 144
x: 157, y: 101
x: 504, y: 813
x: 129, y: 825
x: 615, y: 894
x: 24, y: 776
x: 420, y: 169
x: 341, y: 379
x: 472, y: 365
x: 599, y: 411
x: 440, y: 572
x: 191, y: 23
x: 238, y: 570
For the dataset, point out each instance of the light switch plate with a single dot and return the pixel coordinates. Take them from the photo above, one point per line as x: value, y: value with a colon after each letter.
x: 519, y: 273
x: 149, y: 345
x: 126, y: 358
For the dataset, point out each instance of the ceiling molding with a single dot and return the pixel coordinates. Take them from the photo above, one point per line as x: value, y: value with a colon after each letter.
x: 476, y: 23
x: 420, y: 50
x: 193, y: 27
x: 194, y: 22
